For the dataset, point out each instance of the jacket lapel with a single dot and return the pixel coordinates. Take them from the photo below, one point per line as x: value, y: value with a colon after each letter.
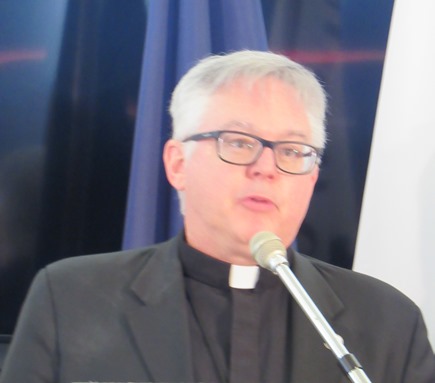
x: 158, y: 320
x: 310, y: 360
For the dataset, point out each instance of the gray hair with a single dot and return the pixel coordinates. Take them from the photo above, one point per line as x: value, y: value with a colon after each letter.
x: 191, y: 96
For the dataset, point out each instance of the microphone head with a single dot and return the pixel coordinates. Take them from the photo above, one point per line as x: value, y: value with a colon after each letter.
x: 268, y: 250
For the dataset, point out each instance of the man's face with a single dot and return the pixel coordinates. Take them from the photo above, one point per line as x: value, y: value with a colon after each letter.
x: 225, y: 204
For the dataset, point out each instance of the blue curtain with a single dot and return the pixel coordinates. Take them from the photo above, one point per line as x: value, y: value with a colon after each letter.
x: 179, y: 32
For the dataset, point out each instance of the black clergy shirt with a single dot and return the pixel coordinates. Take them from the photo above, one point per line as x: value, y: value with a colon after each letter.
x: 237, y: 335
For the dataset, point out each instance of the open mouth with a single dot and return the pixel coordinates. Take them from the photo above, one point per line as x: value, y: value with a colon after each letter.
x: 258, y: 203
x: 260, y: 199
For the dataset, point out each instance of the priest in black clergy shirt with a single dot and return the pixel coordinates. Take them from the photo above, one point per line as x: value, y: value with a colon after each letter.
x: 248, y: 134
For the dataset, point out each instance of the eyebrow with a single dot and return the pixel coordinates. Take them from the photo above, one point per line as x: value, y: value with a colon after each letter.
x: 251, y: 129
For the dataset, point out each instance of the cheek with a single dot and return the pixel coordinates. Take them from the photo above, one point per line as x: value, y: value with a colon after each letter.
x: 299, y: 199
x: 206, y: 184
x: 294, y: 213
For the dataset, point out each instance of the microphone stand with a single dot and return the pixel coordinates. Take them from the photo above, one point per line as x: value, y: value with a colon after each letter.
x: 347, y: 361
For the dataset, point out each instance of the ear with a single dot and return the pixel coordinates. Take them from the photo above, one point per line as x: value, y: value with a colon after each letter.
x: 173, y: 159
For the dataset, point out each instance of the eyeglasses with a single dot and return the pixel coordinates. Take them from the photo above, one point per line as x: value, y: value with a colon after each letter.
x: 240, y: 148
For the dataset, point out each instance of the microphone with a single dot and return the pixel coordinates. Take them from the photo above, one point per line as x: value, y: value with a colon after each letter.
x: 270, y: 253
x: 268, y: 250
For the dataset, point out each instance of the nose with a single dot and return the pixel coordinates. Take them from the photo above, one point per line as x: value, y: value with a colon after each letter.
x: 264, y: 166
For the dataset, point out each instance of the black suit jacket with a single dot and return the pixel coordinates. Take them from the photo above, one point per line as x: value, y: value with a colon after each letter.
x: 122, y: 317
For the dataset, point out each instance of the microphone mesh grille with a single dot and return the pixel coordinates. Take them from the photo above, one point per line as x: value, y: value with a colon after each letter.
x: 265, y: 245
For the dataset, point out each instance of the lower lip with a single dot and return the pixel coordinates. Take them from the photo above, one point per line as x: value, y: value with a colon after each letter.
x: 258, y: 205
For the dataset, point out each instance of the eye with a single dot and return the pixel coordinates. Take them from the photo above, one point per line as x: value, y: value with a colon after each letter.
x: 240, y: 143
x: 291, y: 152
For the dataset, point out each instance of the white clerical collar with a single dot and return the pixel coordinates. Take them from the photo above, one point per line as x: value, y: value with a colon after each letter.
x: 243, y: 277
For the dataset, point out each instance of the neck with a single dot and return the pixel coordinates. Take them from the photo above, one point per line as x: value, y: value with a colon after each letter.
x: 229, y: 251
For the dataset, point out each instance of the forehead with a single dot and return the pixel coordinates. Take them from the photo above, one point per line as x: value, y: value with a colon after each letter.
x: 264, y: 105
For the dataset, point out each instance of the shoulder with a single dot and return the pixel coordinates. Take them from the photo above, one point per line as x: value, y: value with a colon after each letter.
x: 375, y: 319
x: 363, y: 291
x: 107, y: 269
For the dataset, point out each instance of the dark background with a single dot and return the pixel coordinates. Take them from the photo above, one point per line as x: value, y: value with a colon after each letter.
x: 69, y: 81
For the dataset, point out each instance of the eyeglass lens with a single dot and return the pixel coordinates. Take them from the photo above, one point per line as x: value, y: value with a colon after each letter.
x: 241, y: 149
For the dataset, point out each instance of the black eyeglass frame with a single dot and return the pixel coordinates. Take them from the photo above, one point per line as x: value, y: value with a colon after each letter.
x: 265, y: 144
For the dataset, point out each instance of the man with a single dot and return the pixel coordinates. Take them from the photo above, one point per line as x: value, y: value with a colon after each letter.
x: 245, y: 154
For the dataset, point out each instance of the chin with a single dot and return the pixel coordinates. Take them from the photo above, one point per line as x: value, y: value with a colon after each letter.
x: 258, y: 228
x: 286, y: 236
